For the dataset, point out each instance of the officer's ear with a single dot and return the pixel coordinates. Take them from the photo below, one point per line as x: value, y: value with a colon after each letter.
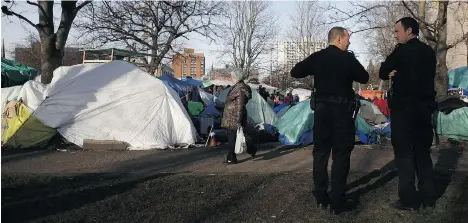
x: 409, y: 31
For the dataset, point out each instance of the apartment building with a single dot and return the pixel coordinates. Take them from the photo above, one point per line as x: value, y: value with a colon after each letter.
x: 285, y: 54
x: 188, y: 63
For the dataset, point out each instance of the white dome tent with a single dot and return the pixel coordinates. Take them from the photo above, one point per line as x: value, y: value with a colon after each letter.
x: 115, y: 101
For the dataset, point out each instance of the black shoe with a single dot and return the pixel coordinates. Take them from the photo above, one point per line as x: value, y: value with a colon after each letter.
x: 322, y: 199
x: 252, y: 150
x: 323, y: 203
x: 337, y: 208
x: 231, y: 158
x: 398, y: 205
x: 231, y: 161
x: 428, y: 206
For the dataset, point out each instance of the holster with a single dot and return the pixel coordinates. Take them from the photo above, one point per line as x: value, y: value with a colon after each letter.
x: 390, y: 98
x: 313, y: 99
x: 354, y: 107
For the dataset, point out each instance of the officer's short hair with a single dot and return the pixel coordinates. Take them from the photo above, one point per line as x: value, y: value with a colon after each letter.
x: 336, y: 32
x: 408, y: 22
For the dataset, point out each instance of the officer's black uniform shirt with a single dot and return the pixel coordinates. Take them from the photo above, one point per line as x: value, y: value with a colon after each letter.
x: 415, y: 63
x: 334, y: 71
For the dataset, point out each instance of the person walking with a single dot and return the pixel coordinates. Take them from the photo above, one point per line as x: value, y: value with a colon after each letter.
x: 235, y: 114
x: 411, y: 62
x: 333, y: 118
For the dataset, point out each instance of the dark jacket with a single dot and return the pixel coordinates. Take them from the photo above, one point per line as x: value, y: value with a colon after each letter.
x: 334, y: 71
x: 415, y: 63
x: 235, y: 111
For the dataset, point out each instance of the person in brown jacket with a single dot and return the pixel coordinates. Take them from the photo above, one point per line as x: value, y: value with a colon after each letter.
x: 235, y: 111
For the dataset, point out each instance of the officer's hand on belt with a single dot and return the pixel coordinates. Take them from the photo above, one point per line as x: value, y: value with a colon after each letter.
x: 392, y: 74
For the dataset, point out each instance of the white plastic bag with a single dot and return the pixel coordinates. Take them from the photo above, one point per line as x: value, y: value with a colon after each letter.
x: 241, y: 146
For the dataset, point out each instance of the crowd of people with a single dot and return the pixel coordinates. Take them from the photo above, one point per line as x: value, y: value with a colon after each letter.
x: 276, y: 98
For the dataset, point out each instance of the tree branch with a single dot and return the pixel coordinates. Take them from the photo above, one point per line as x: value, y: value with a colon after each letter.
x: 8, y: 12
x: 463, y: 38
x: 81, y: 6
x: 37, y: 5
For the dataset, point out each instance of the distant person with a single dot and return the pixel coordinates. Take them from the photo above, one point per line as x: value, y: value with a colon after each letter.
x: 235, y: 114
x: 270, y: 101
x: 333, y: 119
x: 296, y: 98
x: 412, y: 61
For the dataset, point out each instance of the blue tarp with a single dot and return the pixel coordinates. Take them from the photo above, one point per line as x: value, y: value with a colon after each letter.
x: 193, y: 82
x: 279, y: 107
x: 210, y: 110
x: 179, y: 86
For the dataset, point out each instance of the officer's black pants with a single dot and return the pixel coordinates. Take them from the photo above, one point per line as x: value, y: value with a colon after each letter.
x: 411, y: 139
x: 333, y: 128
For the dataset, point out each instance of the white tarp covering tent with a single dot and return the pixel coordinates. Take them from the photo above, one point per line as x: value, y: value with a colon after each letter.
x: 207, y: 98
x: 371, y: 112
x: 32, y: 94
x: 302, y: 93
x: 266, y: 86
x: 115, y: 101
x: 222, y: 82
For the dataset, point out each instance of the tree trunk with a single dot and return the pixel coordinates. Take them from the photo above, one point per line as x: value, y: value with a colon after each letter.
x: 441, y: 79
x: 466, y: 44
x: 51, y: 58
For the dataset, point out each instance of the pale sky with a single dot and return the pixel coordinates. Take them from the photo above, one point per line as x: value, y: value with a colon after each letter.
x: 15, y: 31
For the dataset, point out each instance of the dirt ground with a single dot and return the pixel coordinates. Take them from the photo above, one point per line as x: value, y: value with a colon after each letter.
x: 193, y: 185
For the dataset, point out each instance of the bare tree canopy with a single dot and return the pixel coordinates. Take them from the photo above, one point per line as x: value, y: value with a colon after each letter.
x: 432, y: 17
x: 29, y: 52
x: 248, y: 29
x: 308, y: 28
x: 149, y: 25
x: 52, y: 41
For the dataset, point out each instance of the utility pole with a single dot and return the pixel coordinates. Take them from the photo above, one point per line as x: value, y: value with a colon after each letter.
x: 3, y: 48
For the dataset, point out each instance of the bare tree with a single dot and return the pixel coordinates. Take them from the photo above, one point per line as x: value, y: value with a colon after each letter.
x: 52, y: 42
x: 434, y: 31
x: 29, y: 52
x: 308, y: 31
x: 461, y: 22
x: 149, y: 25
x: 281, y: 78
x: 248, y: 29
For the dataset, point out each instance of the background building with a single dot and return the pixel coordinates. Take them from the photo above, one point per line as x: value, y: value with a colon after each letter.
x: 457, y: 26
x: 188, y: 63
x: 286, y: 54
x: 163, y: 69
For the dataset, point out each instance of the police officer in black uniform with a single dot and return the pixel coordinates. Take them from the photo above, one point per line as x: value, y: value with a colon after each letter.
x: 411, y: 68
x: 334, y: 70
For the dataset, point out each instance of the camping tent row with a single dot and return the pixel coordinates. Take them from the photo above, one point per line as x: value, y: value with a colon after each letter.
x: 109, y: 101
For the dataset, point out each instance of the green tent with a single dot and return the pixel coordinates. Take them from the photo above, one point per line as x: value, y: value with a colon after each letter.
x: 207, y: 84
x: 194, y: 108
x: 14, y: 73
x: 453, y: 125
x: 458, y: 78
x: 296, y: 121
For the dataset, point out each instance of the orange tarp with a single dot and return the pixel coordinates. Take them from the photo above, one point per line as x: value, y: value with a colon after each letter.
x: 371, y: 94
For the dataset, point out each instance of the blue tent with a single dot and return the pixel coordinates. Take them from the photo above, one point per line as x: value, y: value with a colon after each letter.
x: 210, y: 110
x: 193, y: 82
x: 458, y: 78
x: 179, y: 86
